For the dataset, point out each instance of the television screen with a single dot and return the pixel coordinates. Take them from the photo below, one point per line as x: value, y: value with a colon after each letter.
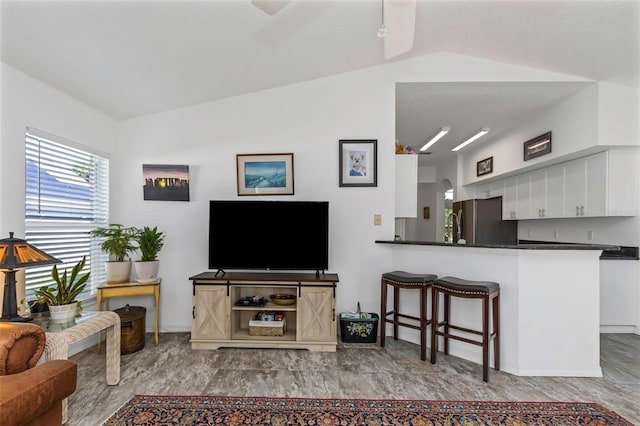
x: 269, y: 235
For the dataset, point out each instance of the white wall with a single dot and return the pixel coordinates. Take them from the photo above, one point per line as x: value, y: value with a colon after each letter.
x: 307, y: 119
x: 29, y: 103
x: 573, y: 122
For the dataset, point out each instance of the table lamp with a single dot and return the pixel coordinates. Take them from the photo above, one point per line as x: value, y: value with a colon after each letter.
x: 14, y: 254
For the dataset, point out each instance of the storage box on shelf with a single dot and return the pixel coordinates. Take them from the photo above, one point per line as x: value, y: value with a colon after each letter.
x: 222, y: 319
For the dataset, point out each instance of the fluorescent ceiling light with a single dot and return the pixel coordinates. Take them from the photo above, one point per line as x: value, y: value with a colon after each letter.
x: 436, y: 138
x: 473, y: 138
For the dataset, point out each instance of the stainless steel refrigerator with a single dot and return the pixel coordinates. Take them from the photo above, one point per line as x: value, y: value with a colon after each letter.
x: 481, y: 222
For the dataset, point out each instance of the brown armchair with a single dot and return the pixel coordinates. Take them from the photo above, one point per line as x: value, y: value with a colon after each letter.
x: 31, y: 394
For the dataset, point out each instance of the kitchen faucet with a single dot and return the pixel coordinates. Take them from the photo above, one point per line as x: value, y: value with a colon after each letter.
x: 458, y: 219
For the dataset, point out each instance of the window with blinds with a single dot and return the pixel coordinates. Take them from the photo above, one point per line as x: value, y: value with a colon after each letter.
x: 67, y: 195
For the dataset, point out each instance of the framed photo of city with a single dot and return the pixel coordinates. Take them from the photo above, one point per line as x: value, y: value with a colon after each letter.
x: 358, y: 162
x: 265, y: 174
x: 165, y: 182
x: 540, y: 145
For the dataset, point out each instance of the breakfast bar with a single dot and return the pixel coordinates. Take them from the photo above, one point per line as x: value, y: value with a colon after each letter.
x: 549, y: 303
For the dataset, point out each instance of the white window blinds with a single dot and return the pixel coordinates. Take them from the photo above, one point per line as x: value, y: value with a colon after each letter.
x: 67, y: 195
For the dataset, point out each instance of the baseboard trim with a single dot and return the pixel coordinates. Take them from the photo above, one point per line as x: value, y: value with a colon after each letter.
x: 614, y: 329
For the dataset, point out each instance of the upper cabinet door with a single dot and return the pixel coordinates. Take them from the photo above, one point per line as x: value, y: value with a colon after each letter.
x: 554, y: 183
x: 523, y: 194
x: 509, y: 199
x: 574, y: 190
x: 406, y: 186
x: 595, y: 200
x: 538, y: 193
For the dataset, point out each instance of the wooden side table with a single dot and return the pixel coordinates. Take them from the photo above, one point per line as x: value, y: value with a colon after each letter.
x: 133, y: 288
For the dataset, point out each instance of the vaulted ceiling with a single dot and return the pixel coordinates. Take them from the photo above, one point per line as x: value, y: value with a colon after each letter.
x: 131, y: 58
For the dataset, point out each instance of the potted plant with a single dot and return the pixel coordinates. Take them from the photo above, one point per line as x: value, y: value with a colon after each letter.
x: 118, y: 243
x: 62, y: 297
x: 150, y: 242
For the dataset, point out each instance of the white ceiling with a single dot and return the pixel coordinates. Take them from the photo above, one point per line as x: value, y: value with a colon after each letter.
x: 131, y: 58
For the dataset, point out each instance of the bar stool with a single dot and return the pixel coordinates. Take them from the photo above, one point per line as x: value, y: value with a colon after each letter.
x: 457, y: 287
x: 398, y: 280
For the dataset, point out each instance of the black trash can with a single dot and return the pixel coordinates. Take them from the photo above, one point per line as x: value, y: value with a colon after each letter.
x: 359, y: 330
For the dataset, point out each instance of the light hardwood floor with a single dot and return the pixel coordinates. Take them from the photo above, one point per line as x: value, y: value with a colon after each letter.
x: 354, y: 371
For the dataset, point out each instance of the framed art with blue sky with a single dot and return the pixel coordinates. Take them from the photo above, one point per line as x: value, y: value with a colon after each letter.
x: 265, y: 174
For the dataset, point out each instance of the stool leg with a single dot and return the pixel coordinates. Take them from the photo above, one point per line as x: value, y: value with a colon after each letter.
x: 434, y: 324
x: 383, y: 311
x: 396, y: 309
x: 485, y: 338
x: 496, y: 331
x: 447, y: 311
x: 423, y: 323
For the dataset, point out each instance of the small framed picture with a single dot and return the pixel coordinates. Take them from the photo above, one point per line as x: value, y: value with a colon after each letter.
x: 165, y: 182
x: 358, y: 162
x: 537, y: 146
x: 265, y: 174
x: 484, y: 167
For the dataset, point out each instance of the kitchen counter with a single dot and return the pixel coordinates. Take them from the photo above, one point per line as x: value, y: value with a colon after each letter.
x: 521, y: 246
x: 549, y: 301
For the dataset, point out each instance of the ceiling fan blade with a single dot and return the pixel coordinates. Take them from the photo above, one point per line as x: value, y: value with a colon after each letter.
x: 400, y: 20
x: 270, y: 7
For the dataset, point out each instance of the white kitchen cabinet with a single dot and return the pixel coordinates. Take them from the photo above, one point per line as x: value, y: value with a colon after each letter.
x: 619, y: 295
x: 406, y: 201
x: 585, y: 193
x: 554, y: 192
x: 547, y: 190
x: 603, y: 184
x: 516, y: 200
x: 523, y: 196
x: 509, y: 199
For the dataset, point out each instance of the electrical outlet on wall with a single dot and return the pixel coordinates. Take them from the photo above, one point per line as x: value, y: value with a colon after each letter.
x: 377, y: 219
x: 589, y: 235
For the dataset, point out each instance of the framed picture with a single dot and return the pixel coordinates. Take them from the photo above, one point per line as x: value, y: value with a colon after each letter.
x: 537, y: 146
x: 165, y: 182
x: 265, y: 174
x: 484, y: 167
x: 358, y: 162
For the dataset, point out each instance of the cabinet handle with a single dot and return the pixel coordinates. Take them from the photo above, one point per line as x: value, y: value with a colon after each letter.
x: 581, y: 210
x: 193, y: 312
x: 577, y: 210
x: 334, y: 315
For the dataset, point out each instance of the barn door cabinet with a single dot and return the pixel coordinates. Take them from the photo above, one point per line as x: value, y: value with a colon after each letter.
x: 218, y: 321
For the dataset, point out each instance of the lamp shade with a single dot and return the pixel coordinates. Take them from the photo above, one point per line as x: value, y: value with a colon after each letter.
x: 17, y: 253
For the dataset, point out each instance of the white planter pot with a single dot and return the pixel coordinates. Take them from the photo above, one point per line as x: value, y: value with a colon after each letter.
x: 118, y: 272
x: 62, y: 314
x: 146, y: 271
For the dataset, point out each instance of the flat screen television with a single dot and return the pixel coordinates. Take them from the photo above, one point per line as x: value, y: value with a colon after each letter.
x: 284, y: 235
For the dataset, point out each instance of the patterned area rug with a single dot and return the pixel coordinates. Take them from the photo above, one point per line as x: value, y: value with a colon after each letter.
x: 223, y: 410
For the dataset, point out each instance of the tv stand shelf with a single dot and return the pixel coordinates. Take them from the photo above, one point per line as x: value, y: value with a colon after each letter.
x: 218, y: 322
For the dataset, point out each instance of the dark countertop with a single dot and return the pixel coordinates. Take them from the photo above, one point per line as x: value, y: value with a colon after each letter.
x: 535, y: 246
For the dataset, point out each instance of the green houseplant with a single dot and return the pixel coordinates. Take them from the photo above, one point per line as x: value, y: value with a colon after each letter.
x: 118, y: 243
x: 150, y: 242
x: 61, y: 298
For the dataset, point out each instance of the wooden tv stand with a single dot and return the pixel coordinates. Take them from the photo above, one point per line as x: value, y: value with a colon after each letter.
x: 218, y: 322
